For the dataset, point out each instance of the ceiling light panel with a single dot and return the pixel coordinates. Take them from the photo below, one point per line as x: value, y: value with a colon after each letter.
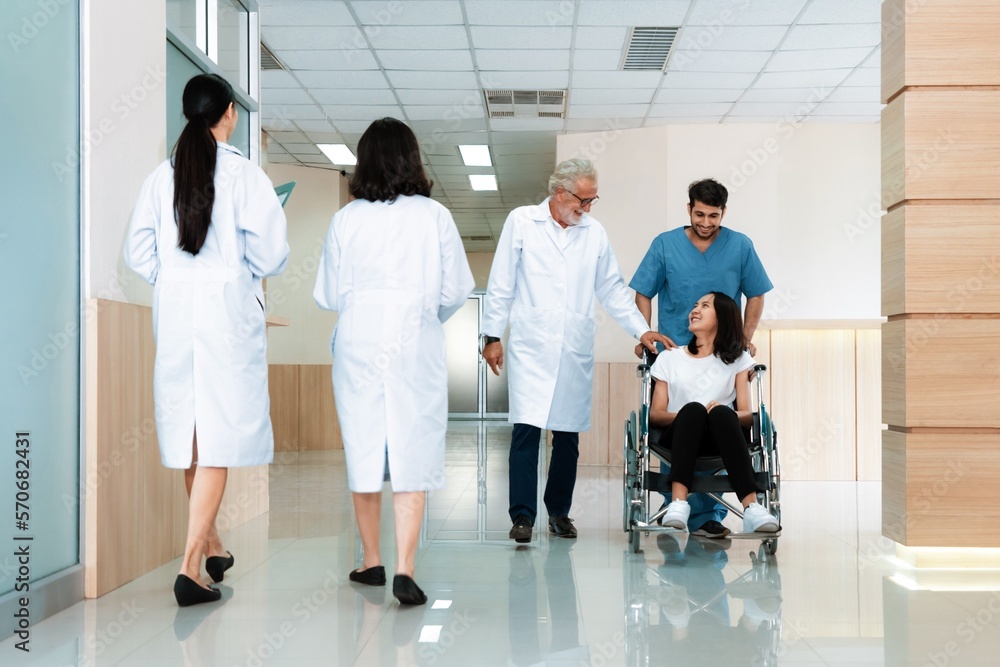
x: 475, y: 155
x: 339, y: 154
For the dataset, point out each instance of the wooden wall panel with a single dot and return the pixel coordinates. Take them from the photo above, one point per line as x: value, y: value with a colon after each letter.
x: 939, y: 43
x: 318, y: 425
x: 942, y: 145
x: 135, y: 510
x: 929, y: 264
x: 283, y: 385
x: 594, y: 443
x: 762, y: 340
x: 814, y: 403
x: 947, y: 494
x: 951, y: 374
x: 625, y: 397
x: 868, y: 362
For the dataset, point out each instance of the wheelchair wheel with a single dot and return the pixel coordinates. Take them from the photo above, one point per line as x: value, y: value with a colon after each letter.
x: 634, y: 536
x: 630, y: 474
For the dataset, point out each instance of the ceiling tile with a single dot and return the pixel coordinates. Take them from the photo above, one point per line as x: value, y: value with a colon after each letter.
x: 343, y: 79
x: 520, y: 12
x: 304, y: 13
x: 329, y: 59
x: 505, y: 60
x: 601, y: 37
x: 848, y: 109
x: 302, y: 149
x: 707, y: 79
x: 856, y: 94
x: 433, y: 60
x: 361, y: 112
x: 493, y: 37
x: 816, y: 78
x: 312, y: 126
x: 285, y: 96
x: 841, y: 35
x: 744, y: 12
x: 865, y: 76
x: 438, y: 128
x: 717, y: 61
x: 287, y: 137
x: 457, y: 97
x: 675, y: 95
x: 792, y: 109
x: 352, y: 126
x: 817, y: 59
x: 598, y: 125
x: 525, y: 80
x: 689, y: 109
x: 633, y: 12
x: 730, y: 37
x: 277, y: 78
x: 781, y: 95
x: 419, y: 37
x: 618, y: 96
x: 843, y: 11
x: 427, y: 12
x: 520, y: 124
x: 685, y: 120
x: 593, y: 59
x: 443, y: 113
x: 293, y: 111
x: 279, y: 38
x: 432, y: 80
x: 353, y: 96
x: 592, y: 79
x: 607, y: 111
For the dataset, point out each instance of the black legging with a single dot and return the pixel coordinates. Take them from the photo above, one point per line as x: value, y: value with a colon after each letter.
x: 697, y: 432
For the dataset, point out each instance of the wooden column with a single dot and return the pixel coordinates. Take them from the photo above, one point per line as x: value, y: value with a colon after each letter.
x: 941, y: 272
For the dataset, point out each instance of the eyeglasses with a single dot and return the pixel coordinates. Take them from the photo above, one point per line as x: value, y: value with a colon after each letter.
x: 583, y: 202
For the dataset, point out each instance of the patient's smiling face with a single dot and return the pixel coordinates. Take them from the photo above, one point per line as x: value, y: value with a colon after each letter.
x: 702, y: 316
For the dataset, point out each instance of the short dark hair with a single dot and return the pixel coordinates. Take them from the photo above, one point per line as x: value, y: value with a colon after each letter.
x: 389, y: 163
x: 708, y: 191
x: 729, y: 339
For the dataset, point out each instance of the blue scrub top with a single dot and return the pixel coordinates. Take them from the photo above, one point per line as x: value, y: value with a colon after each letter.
x: 678, y: 274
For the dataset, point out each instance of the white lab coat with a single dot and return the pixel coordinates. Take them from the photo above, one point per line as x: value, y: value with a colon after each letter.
x: 208, y: 319
x: 547, y: 292
x: 394, y: 272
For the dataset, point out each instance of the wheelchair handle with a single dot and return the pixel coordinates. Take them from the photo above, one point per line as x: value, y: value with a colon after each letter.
x: 647, y: 361
x: 760, y: 368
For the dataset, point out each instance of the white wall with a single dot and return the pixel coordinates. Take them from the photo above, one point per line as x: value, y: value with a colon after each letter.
x: 807, y: 197
x: 480, y: 263
x: 316, y: 197
x: 124, y: 133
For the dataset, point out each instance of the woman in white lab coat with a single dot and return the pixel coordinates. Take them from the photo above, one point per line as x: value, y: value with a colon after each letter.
x: 207, y: 227
x: 394, y: 268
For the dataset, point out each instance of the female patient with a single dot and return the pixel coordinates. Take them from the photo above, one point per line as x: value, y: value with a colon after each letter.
x: 696, y: 385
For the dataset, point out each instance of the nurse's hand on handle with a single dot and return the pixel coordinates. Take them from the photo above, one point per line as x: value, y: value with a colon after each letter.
x: 650, y: 339
x: 493, y: 354
x: 667, y: 343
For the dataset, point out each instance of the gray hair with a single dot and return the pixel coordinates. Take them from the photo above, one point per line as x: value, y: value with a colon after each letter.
x: 568, y: 172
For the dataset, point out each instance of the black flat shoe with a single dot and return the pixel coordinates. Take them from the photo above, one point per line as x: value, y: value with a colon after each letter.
x: 187, y: 591
x: 216, y: 566
x: 406, y: 590
x: 373, y: 576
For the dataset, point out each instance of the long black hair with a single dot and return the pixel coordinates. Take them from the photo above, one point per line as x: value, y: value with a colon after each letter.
x: 389, y: 163
x: 729, y: 340
x: 206, y: 99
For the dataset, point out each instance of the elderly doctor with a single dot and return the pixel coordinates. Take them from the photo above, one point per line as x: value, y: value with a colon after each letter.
x: 550, y: 263
x: 394, y: 267
x: 206, y: 229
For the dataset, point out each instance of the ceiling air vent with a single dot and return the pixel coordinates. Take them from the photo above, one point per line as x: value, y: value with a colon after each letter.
x: 267, y: 59
x: 526, y: 103
x: 648, y: 48
x: 477, y: 238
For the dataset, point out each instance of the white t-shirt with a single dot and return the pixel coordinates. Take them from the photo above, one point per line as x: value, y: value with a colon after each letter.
x: 698, y: 380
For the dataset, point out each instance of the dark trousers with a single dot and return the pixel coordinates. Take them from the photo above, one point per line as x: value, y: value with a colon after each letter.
x: 524, y: 471
x: 697, y: 432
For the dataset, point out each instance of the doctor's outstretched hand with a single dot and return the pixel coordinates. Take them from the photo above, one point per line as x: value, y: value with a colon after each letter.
x: 651, y: 338
x: 493, y: 354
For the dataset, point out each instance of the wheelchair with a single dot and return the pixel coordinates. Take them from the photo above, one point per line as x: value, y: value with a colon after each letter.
x: 639, y: 482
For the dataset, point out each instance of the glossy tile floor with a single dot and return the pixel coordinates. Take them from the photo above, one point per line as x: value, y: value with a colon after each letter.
x: 834, y: 594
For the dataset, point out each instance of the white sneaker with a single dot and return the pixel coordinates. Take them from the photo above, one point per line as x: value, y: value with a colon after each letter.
x: 756, y: 519
x: 678, y: 513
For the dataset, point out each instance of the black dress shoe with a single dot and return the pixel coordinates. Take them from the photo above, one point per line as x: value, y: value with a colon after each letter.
x: 562, y: 526
x: 373, y: 576
x: 187, y: 591
x: 216, y: 566
x: 406, y: 590
x: 521, y: 531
